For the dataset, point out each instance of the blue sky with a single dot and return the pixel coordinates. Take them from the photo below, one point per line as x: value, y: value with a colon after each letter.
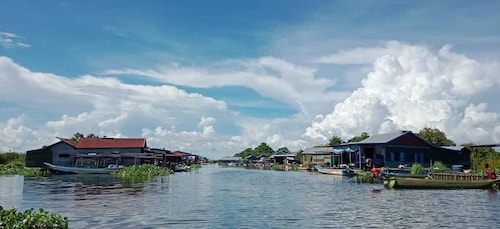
x: 216, y: 77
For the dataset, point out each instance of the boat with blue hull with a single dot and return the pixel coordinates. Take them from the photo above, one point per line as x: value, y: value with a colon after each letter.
x: 335, y: 171
x: 58, y: 169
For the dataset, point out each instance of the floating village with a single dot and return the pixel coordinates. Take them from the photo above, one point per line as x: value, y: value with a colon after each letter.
x: 398, y: 160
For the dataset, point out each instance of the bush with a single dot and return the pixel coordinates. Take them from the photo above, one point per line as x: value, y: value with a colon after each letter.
x: 12, y: 157
x: 417, y: 168
x: 14, y: 168
x: 437, y: 165
x: 31, y: 219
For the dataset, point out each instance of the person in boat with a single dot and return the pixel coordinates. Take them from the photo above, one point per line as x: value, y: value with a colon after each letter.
x: 375, y: 172
x: 368, y: 164
x: 489, y: 172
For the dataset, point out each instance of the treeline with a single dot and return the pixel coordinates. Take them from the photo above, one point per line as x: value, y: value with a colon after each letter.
x: 479, y: 155
x: 262, y: 150
x: 12, y: 158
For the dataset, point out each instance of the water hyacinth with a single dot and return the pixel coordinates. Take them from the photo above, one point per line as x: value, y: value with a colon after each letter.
x: 31, y: 219
x: 11, y: 168
x: 143, y: 170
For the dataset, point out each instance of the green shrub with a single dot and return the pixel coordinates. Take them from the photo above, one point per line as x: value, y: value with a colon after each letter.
x: 15, y: 168
x: 12, y: 157
x: 417, y: 168
x: 31, y: 219
x: 437, y: 165
x: 277, y: 167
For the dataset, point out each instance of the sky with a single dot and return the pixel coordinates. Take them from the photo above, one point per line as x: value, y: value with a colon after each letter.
x: 214, y: 78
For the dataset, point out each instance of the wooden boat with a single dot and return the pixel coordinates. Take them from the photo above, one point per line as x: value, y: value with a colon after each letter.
x: 335, y: 171
x: 58, y: 169
x: 429, y: 183
x: 404, y: 175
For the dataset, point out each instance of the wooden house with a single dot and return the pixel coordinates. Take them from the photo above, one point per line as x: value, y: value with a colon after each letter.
x: 405, y: 148
x: 317, y: 156
x: 101, y: 151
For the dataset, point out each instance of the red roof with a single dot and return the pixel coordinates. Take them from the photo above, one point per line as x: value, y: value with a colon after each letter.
x: 103, y: 143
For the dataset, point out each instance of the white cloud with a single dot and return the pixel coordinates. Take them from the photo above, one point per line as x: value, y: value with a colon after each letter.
x: 294, y: 85
x: 10, y: 40
x: 412, y: 87
x: 409, y: 87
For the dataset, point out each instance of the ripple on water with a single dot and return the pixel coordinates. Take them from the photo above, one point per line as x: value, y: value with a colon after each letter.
x: 217, y: 197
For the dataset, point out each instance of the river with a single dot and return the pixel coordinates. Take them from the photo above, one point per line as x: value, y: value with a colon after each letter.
x: 217, y: 197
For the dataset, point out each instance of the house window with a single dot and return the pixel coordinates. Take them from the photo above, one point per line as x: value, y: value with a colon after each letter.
x: 421, y: 157
x: 415, y: 159
x: 64, y: 155
x: 401, y: 156
x: 393, y: 157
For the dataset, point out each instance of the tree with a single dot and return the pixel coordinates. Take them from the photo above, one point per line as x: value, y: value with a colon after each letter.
x: 263, y: 150
x: 435, y: 136
x: 244, y: 153
x: 335, y: 141
x: 77, y: 136
x: 359, y: 138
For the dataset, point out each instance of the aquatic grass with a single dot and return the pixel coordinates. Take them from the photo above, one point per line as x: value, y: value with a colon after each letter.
x: 31, y: 219
x: 144, y: 170
x: 20, y: 169
x: 194, y: 167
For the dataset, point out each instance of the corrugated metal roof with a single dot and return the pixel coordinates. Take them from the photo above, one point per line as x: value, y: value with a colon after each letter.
x: 106, y: 143
x: 382, y: 138
x: 318, y: 150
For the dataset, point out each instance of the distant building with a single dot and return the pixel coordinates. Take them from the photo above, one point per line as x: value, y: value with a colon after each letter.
x: 388, y: 150
x: 102, y: 151
x: 405, y: 148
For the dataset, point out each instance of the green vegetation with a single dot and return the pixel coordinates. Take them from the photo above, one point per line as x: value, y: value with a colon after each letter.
x: 77, y: 136
x: 435, y: 136
x: 11, y: 169
x: 194, y: 167
x: 12, y: 158
x: 31, y: 219
x: 417, y: 168
x: 359, y: 138
x: 262, y: 150
x: 335, y: 141
x: 144, y: 170
x: 13, y: 163
x: 482, y: 155
x: 438, y: 165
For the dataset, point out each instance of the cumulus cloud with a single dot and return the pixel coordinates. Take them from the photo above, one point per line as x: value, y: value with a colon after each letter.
x: 11, y: 40
x: 90, y: 104
x: 412, y: 87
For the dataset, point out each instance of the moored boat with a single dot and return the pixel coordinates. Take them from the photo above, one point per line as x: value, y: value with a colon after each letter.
x: 58, y: 169
x: 429, y: 183
x: 404, y: 175
x: 335, y: 171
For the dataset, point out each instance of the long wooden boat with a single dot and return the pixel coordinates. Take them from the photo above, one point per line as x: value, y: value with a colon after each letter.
x: 427, y: 183
x: 58, y: 169
x: 405, y: 175
x: 335, y: 171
